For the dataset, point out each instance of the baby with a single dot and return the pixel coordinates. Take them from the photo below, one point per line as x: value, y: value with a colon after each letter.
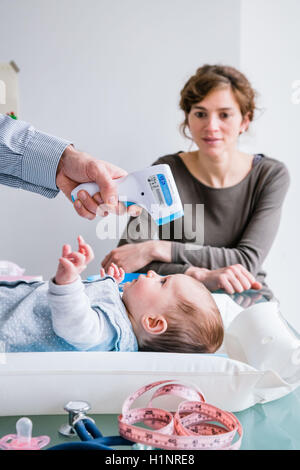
x: 175, y: 313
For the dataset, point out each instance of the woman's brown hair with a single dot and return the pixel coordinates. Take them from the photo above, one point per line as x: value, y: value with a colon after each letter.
x: 212, y: 77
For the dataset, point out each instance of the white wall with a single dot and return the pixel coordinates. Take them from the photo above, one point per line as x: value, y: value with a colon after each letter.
x: 270, y: 51
x: 107, y: 75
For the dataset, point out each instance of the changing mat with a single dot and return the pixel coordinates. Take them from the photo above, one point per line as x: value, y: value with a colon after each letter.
x: 259, y: 361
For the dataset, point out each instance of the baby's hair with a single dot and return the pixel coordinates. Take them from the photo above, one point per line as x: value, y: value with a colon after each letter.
x: 199, y: 331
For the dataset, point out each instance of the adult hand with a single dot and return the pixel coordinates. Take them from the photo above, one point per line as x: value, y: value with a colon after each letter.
x: 232, y: 279
x: 246, y: 300
x: 77, y: 167
x: 134, y: 256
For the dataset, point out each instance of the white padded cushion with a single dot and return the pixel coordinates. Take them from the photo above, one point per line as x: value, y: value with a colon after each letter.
x: 259, y: 370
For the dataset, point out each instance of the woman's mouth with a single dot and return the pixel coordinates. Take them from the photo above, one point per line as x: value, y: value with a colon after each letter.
x: 211, y: 141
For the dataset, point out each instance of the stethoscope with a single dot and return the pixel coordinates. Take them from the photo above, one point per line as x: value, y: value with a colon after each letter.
x: 85, y: 428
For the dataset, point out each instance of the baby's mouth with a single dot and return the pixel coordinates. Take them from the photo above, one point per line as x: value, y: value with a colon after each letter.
x: 129, y: 283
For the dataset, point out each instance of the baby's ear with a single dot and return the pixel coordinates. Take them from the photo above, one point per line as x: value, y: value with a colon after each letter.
x: 154, y: 325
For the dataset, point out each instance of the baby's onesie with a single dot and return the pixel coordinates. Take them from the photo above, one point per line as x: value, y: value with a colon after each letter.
x: 86, y: 315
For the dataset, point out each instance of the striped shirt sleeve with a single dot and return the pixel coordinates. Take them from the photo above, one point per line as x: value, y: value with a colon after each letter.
x: 28, y: 157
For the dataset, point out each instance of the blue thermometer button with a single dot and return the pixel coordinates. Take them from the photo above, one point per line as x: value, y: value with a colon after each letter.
x: 128, y: 203
x: 165, y: 189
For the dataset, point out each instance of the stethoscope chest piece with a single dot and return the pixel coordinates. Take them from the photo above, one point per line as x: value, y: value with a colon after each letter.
x: 77, y: 411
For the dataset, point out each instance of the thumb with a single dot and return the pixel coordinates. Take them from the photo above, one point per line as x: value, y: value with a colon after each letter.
x: 66, y: 185
x: 67, y: 264
x: 256, y: 285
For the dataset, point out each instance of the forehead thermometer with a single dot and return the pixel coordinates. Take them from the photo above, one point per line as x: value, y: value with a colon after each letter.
x: 153, y: 188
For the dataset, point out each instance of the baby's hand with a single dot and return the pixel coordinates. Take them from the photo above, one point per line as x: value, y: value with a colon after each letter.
x: 72, y: 263
x: 117, y: 273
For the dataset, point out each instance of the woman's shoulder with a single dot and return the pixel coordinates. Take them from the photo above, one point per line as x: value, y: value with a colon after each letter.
x: 178, y: 168
x: 171, y: 159
x: 268, y: 167
x: 270, y: 176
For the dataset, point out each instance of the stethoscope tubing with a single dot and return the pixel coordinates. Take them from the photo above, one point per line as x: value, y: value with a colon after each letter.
x: 92, y: 438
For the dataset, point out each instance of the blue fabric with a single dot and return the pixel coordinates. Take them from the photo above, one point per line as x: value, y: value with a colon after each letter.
x: 127, y: 278
x: 25, y: 316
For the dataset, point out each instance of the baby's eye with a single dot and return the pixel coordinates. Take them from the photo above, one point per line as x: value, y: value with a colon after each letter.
x: 163, y: 281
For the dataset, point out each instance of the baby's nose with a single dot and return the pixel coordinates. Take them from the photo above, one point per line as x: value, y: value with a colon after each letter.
x: 151, y: 274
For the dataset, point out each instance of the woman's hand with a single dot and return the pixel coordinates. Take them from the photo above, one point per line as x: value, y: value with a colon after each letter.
x: 246, y: 300
x: 232, y: 279
x: 72, y: 263
x: 117, y: 273
x: 134, y: 256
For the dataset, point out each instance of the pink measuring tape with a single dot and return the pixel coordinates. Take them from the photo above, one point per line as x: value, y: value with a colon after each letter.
x: 191, y: 427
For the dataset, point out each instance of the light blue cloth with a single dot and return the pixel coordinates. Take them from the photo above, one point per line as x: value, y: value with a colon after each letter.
x: 25, y: 317
x: 28, y: 157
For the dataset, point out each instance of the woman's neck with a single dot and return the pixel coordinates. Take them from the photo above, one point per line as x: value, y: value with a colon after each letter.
x: 219, y: 172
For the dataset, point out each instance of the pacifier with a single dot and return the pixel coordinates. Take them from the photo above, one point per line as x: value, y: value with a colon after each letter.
x: 23, y: 440
x: 8, y: 268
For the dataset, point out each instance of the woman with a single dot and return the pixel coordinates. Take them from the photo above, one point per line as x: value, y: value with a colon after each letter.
x: 242, y: 193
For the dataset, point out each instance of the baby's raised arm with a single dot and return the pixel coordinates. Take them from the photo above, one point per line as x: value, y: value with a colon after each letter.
x: 72, y: 263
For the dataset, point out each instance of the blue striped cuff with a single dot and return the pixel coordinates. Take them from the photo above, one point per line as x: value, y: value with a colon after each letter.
x: 41, y: 157
x: 20, y: 184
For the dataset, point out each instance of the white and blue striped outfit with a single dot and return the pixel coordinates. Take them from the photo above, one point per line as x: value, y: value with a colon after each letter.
x: 28, y: 157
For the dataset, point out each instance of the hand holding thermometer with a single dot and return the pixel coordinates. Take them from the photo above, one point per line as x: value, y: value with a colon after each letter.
x: 153, y: 188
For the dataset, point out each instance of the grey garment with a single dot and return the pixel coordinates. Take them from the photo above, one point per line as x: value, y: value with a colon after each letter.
x: 25, y: 317
x: 240, y: 222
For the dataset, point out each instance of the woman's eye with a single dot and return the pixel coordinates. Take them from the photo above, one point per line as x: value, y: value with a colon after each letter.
x: 199, y: 114
x: 224, y: 115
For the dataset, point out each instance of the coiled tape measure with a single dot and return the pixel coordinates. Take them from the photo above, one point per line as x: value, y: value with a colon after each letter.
x: 191, y: 427
x: 195, y: 425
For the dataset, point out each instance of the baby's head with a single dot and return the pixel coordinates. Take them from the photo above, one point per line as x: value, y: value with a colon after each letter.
x: 174, y: 313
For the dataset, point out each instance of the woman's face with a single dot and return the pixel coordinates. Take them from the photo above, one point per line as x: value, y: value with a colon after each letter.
x: 216, y: 122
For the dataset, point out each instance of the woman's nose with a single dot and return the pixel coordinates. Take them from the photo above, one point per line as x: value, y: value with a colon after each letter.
x: 212, y: 123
